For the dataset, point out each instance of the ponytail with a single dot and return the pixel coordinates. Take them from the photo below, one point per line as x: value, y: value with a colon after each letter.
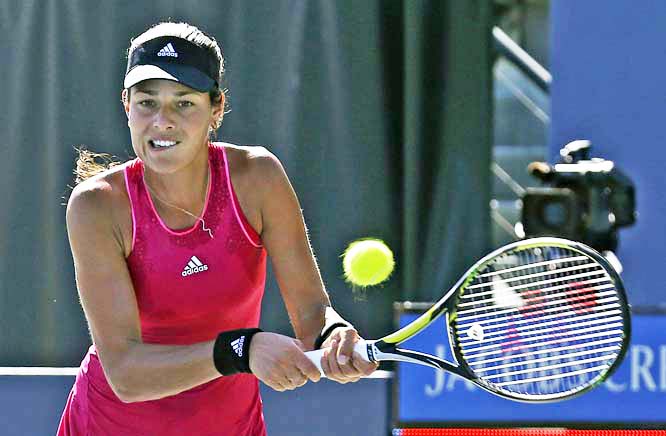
x: 90, y: 163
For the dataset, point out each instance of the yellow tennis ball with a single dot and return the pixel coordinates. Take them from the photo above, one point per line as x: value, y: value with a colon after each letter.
x: 367, y: 262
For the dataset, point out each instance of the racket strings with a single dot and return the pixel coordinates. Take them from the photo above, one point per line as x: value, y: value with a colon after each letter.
x: 596, y: 359
x: 540, y: 322
x: 535, y: 348
x: 533, y: 265
x: 533, y: 303
x: 524, y: 342
x: 501, y: 285
x: 516, y: 324
x: 530, y: 296
x: 511, y: 320
x: 539, y: 274
x: 517, y: 336
x: 614, y: 349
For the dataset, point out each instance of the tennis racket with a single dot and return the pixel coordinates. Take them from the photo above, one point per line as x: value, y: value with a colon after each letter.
x: 537, y: 320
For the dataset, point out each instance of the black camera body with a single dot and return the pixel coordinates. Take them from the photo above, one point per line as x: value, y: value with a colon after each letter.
x: 583, y: 199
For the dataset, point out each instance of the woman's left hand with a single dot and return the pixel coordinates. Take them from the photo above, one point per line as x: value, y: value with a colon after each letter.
x: 339, y: 361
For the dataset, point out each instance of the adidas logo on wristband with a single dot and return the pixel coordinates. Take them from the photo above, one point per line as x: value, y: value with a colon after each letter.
x: 228, y: 353
x: 237, y: 346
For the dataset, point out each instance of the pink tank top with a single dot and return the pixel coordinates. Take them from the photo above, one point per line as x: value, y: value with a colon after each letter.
x: 189, y: 287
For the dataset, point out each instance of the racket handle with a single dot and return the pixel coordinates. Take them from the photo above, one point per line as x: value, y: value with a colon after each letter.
x: 361, y: 347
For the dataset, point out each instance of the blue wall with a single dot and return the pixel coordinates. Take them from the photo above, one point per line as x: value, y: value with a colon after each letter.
x: 32, y: 405
x: 608, y: 61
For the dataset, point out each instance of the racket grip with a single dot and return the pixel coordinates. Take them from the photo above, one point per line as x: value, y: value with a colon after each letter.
x: 361, y: 347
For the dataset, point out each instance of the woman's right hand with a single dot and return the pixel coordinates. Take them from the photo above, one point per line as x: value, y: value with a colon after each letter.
x: 280, y: 362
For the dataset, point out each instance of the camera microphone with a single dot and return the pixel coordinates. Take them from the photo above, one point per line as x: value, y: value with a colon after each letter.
x: 541, y: 170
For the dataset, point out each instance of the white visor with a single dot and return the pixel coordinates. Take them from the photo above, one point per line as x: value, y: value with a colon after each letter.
x: 146, y: 72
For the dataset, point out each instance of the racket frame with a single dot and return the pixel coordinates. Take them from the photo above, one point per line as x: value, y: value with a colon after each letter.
x: 386, y: 348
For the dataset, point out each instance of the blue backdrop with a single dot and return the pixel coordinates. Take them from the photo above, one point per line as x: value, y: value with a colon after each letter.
x: 608, y: 60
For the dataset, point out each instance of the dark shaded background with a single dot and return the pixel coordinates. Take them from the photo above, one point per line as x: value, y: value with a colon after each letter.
x: 379, y: 110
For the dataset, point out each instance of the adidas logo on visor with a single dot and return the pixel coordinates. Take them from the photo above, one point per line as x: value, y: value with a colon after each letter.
x: 168, y: 50
x: 194, y: 266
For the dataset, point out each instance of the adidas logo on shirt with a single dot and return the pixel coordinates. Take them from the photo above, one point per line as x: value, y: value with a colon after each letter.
x: 194, y: 266
x: 237, y: 345
x: 168, y: 50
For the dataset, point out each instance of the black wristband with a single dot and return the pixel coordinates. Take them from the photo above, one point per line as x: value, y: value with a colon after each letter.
x: 326, y: 332
x: 231, y: 353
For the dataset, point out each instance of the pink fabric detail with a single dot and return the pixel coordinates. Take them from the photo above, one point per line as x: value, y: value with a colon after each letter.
x: 251, y: 235
x: 132, y: 209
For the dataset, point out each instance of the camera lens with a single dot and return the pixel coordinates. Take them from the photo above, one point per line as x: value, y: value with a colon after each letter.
x: 555, y: 214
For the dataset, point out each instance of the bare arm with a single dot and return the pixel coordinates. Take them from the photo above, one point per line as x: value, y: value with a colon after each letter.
x: 285, y: 237
x: 135, y: 371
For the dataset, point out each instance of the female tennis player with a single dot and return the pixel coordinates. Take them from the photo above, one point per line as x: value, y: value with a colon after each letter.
x: 170, y: 256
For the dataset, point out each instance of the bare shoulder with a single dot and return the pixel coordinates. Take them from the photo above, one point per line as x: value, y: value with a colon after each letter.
x: 258, y: 178
x: 99, y: 193
x: 100, y: 206
x: 254, y: 159
x: 254, y: 168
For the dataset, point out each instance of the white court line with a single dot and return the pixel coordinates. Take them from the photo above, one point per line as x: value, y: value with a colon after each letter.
x: 50, y: 371
x: 37, y: 370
